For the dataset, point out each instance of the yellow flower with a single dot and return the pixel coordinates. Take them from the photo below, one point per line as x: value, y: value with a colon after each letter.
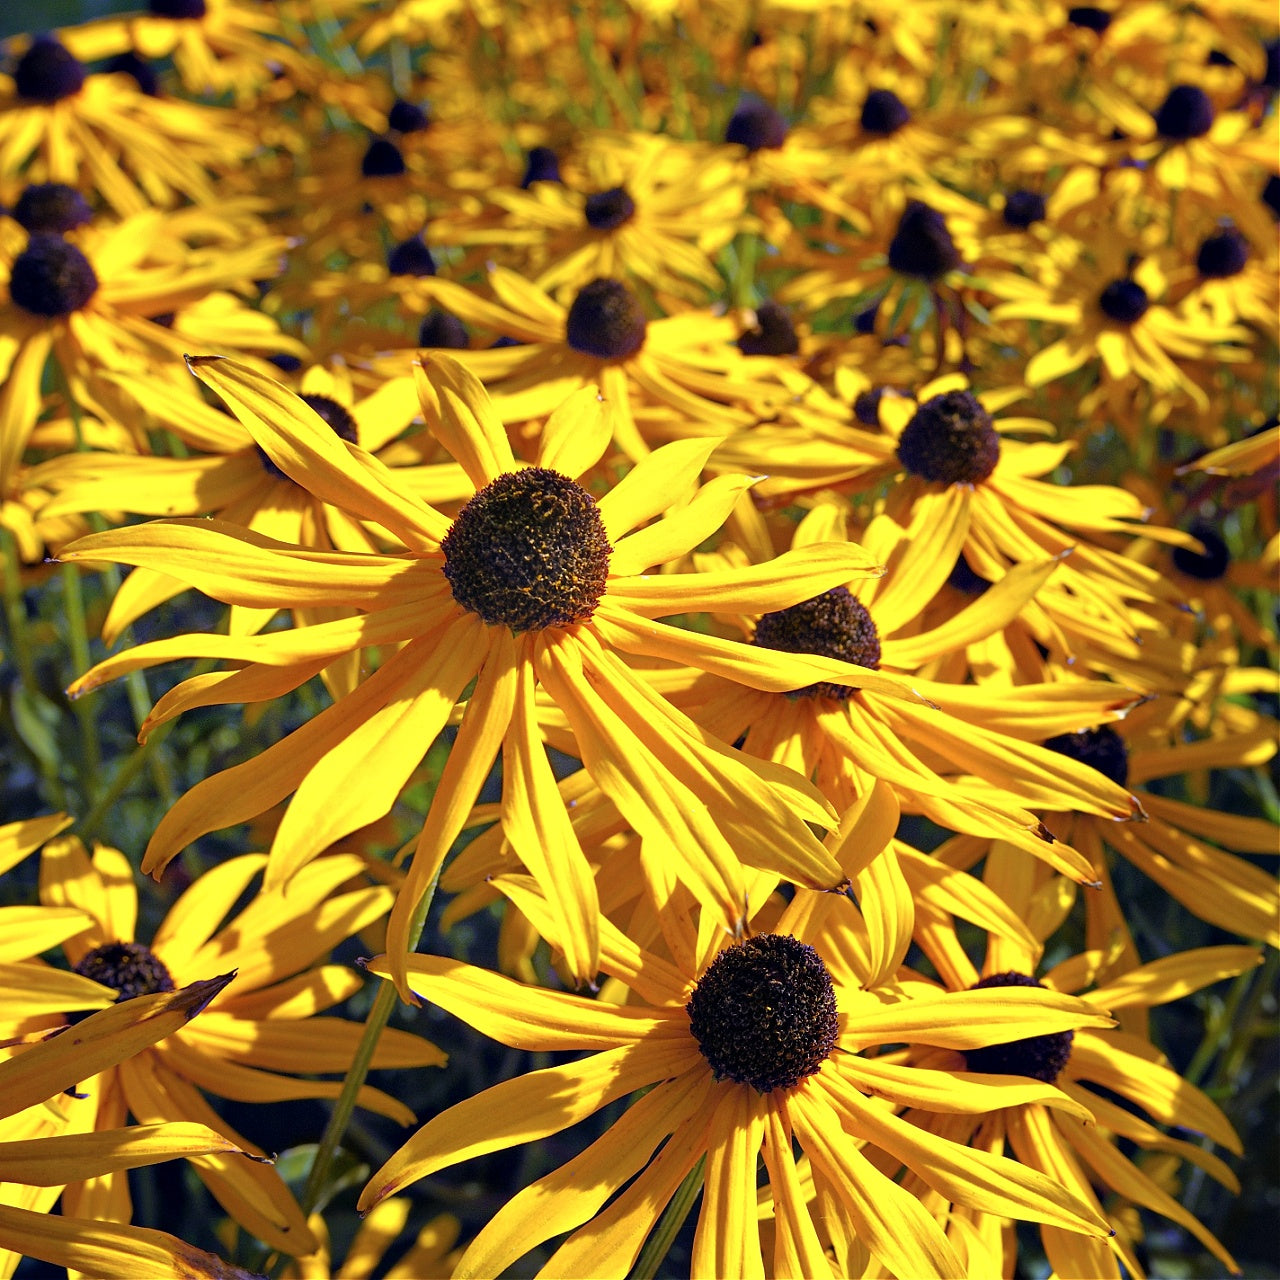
x: 534, y: 582
x: 255, y: 1036
x: 741, y: 1049
x: 100, y: 299
x: 60, y: 123
x: 1092, y: 1066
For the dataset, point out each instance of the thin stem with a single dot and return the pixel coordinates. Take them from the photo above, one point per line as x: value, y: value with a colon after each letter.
x: 90, y: 762
x: 663, y: 1236
x: 15, y: 617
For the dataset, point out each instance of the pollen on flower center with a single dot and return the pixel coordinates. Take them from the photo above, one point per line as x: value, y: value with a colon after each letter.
x: 47, y: 72
x: 950, y: 440
x: 764, y: 1013
x: 1101, y: 748
x: 51, y: 206
x: 606, y: 320
x: 832, y: 625
x: 51, y: 277
x: 608, y: 210
x: 922, y: 246
x: 529, y: 551
x: 1040, y: 1057
x: 130, y: 968
x: 336, y: 416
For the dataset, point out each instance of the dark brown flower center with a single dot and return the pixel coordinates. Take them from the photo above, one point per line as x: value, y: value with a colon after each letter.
x: 1023, y: 209
x: 47, y: 72
x: 51, y: 277
x: 529, y: 551
x: 51, y: 206
x: 606, y: 320
x: 764, y: 1013
x: 411, y: 257
x: 756, y: 126
x: 440, y: 328
x: 1222, y: 255
x: 1090, y: 17
x: 883, y: 113
x: 139, y: 70
x: 1101, y: 748
x: 832, y: 625
x: 382, y: 159
x: 1124, y: 301
x: 127, y: 967
x: 963, y: 579
x: 922, y: 246
x: 774, y: 334
x: 542, y: 165
x: 1185, y: 113
x: 1040, y: 1057
x: 950, y: 440
x: 408, y: 117
x: 1209, y: 566
x: 609, y: 210
x: 188, y: 9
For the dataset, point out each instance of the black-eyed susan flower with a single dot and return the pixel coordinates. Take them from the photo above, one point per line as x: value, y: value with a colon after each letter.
x: 535, y: 581
x: 1115, y: 321
x: 256, y: 1037
x: 646, y: 211
x: 1117, y: 1076
x: 738, y: 1049
x: 930, y: 757
x: 965, y: 484
x: 687, y: 363
x: 98, y: 299
x: 61, y: 123
x: 44, y: 1144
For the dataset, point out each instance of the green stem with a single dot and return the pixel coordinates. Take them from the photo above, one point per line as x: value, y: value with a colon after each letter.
x: 663, y: 1236
x: 90, y: 763
x: 383, y: 1004
x: 15, y: 617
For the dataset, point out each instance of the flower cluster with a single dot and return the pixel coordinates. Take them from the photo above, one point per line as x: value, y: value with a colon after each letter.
x: 730, y: 550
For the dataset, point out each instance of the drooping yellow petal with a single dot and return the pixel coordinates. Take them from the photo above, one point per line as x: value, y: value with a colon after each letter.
x: 18, y: 839
x: 890, y: 1221
x: 108, y: 1250
x: 535, y: 822
x: 100, y: 1041
x: 525, y: 1018
x: 470, y: 760
x: 311, y: 453
x: 465, y: 421
x: 653, y: 484
x: 573, y: 1193
x: 964, y: 1175
x: 50, y: 1162
x: 970, y: 1019
x: 727, y: 1241
x: 522, y: 1110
